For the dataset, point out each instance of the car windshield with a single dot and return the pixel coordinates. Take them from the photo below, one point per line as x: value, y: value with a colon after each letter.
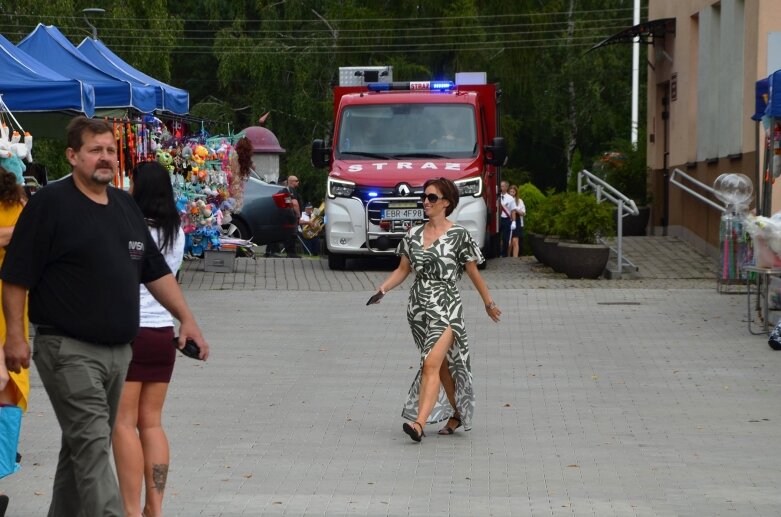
x: 388, y: 131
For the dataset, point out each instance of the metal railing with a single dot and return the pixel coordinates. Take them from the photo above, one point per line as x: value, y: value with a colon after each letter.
x: 625, y: 205
x: 675, y: 181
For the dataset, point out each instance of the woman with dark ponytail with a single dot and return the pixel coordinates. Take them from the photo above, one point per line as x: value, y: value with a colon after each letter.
x: 140, y: 445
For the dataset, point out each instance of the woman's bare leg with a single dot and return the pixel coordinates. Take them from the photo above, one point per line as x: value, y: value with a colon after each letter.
x: 514, y: 247
x: 128, y: 456
x: 429, y: 382
x: 154, y: 444
x: 450, y: 390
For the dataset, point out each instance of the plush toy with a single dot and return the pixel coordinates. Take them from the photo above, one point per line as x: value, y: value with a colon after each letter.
x: 187, y: 153
x: 11, y: 156
x: 28, y: 142
x: 15, y: 165
x: 165, y: 159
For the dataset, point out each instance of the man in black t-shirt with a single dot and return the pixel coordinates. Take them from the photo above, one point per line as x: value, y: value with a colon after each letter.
x: 81, y: 249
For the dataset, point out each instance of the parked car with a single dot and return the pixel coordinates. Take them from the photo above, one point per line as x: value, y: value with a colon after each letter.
x: 266, y: 216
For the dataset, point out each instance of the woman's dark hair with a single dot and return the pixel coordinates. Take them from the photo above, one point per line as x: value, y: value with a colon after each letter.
x: 244, y: 156
x: 448, y: 189
x: 154, y: 195
x: 10, y: 191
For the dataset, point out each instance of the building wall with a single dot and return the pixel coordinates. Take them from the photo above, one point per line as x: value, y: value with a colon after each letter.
x: 703, y: 77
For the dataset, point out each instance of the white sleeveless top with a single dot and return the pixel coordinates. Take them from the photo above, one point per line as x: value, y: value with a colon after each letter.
x: 154, y: 315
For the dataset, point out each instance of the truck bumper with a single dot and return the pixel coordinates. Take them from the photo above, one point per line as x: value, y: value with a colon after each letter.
x: 346, y: 229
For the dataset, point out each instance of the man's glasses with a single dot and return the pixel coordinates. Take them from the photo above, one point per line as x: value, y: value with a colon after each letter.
x: 432, y: 198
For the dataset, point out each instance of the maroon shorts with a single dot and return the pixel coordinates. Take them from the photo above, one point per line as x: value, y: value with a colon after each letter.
x: 153, y: 355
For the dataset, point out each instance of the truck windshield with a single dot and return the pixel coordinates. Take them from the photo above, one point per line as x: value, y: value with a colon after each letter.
x: 407, y: 131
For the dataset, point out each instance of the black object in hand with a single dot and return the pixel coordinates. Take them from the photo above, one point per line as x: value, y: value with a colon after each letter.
x: 190, y: 348
x: 375, y: 298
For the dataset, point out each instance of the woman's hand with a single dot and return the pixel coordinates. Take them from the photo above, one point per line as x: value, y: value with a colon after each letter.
x: 4, y: 377
x: 493, y: 311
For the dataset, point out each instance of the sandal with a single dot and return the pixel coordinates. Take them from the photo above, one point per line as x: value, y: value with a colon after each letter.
x: 412, y: 432
x: 450, y: 430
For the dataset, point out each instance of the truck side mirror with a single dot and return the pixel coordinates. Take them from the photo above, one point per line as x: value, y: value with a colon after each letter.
x: 496, y: 153
x: 321, y: 155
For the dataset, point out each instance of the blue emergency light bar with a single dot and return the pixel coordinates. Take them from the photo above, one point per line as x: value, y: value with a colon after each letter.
x: 440, y: 86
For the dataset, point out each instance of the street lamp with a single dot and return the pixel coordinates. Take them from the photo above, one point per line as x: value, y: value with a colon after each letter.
x: 92, y: 10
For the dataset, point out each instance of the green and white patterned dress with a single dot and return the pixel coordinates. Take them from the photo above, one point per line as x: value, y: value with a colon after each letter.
x: 435, y: 304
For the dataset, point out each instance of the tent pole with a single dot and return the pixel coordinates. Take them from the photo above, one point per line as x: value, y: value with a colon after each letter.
x: 5, y: 107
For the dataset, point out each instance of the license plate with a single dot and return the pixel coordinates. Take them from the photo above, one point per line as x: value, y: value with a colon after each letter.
x: 402, y: 213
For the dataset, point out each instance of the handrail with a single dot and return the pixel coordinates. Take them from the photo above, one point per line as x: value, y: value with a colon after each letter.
x: 608, y: 191
x: 625, y: 205
x: 674, y: 180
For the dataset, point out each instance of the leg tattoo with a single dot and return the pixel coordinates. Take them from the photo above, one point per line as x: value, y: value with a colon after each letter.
x: 159, y: 476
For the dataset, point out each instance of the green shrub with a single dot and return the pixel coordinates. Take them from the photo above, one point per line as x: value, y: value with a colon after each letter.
x: 532, y: 198
x: 542, y: 219
x: 582, y: 219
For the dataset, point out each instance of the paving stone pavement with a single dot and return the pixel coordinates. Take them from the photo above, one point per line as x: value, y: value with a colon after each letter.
x: 644, y: 396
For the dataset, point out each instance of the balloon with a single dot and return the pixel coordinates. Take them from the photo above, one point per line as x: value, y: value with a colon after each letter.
x: 734, y: 189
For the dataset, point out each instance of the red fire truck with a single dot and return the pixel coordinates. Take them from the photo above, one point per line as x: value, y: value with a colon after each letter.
x: 388, y: 139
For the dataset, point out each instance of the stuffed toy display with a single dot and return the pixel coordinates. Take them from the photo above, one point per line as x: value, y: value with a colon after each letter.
x: 14, y: 151
x: 201, y: 178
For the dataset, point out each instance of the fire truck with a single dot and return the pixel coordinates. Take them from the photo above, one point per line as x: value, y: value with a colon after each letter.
x: 388, y: 139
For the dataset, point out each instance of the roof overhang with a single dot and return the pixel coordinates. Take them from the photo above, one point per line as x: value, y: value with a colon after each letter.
x: 645, y: 31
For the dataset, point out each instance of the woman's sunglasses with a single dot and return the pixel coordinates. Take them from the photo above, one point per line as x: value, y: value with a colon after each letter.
x: 432, y: 198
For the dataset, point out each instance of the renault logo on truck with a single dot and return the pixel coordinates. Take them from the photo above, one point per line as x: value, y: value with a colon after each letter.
x: 403, y: 189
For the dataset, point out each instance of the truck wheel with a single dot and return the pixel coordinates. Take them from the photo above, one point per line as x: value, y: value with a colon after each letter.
x: 336, y: 262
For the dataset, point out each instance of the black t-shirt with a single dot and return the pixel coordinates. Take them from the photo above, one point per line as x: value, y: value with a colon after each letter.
x: 83, y: 262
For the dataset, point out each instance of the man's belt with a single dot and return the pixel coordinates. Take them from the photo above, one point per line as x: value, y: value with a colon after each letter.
x: 43, y: 330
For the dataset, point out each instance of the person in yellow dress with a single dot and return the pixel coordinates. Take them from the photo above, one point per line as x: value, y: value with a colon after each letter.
x: 12, y: 199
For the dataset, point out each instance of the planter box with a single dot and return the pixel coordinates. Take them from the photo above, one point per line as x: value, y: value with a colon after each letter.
x: 582, y: 260
x: 219, y: 261
x: 550, y: 253
x: 535, y: 244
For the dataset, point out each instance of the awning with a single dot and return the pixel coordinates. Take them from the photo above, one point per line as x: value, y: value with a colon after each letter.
x: 646, y: 31
x: 167, y: 97
x: 49, y: 46
x: 27, y: 85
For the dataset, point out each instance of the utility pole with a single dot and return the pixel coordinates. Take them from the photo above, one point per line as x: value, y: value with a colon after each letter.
x: 635, y: 76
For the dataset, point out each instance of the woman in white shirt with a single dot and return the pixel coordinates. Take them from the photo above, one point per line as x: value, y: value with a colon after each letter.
x: 519, y: 210
x: 140, y: 445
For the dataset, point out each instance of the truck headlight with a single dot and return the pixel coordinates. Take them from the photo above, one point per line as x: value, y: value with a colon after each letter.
x: 340, y: 188
x: 470, y: 187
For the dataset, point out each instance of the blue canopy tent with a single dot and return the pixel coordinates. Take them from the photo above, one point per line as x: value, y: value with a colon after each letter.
x: 167, y: 97
x: 768, y: 92
x: 761, y: 90
x: 26, y: 85
x: 52, y: 48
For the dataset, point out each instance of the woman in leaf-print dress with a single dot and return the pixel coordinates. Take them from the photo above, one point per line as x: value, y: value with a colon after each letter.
x: 439, y: 252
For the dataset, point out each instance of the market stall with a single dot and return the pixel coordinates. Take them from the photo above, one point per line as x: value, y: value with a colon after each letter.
x: 49, y: 46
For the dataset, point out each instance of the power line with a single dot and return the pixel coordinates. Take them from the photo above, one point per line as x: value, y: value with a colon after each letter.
x: 298, y: 50
x: 363, y: 20
x: 398, y: 31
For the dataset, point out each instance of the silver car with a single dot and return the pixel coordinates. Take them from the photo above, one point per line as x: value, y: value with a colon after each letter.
x: 266, y: 216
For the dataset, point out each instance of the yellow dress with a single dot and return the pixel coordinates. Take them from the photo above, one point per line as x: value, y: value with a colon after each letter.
x: 20, y: 382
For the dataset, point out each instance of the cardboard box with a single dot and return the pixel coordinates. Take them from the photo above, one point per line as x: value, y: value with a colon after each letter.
x: 219, y: 261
